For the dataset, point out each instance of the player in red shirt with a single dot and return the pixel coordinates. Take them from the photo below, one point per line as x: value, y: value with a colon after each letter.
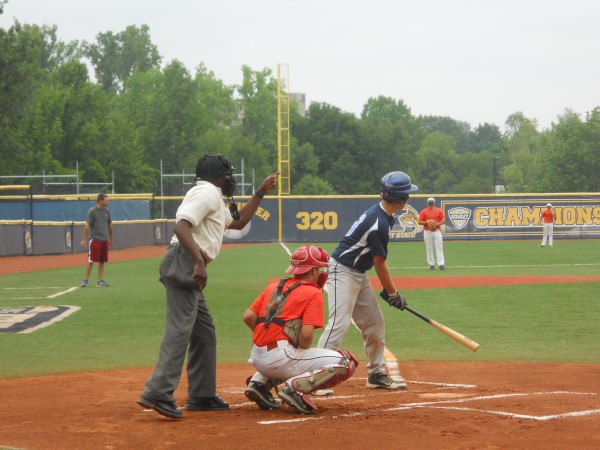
x: 433, y: 238
x: 283, y: 319
x: 547, y: 217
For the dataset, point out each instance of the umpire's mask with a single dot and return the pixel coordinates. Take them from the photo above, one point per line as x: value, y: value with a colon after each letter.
x: 211, y: 167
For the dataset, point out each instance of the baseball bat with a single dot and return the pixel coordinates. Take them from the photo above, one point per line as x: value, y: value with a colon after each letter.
x: 461, y: 339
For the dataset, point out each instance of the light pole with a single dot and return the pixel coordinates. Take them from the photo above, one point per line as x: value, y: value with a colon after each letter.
x: 494, y: 180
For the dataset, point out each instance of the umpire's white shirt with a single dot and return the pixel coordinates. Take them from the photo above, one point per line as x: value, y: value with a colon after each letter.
x: 204, y: 208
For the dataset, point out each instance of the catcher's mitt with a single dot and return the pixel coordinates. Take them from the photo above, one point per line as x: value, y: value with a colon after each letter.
x: 432, y: 224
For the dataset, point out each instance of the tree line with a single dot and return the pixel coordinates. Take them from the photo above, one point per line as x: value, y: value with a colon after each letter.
x: 137, y: 111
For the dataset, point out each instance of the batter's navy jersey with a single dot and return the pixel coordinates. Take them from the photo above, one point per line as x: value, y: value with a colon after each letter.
x: 368, y: 237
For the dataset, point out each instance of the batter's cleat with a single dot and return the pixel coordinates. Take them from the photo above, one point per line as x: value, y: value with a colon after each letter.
x: 432, y: 267
x: 551, y: 245
x: 206, y: 404
x: 259, y: 395
x: 542, y: 245
x: 442, y: 267
x: 167, y: 409
x: 295, y: 400
x: 84, y: 283
x: 102, y: 283
x: 381, y: 381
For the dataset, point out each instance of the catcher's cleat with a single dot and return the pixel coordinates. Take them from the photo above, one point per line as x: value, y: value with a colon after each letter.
x: 382, y: 381
x: 167, y: 409
x: 295, y: 400
x: 258, y: 394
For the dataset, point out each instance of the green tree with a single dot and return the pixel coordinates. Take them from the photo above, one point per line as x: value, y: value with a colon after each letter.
x: 116, y: 56
x: 526, y: 158
x: 336, y: 139
x: 575, y: 154
x: 390, y: 138
x: 258, y: 105
x: 459, y: 131
x: 312, y: 185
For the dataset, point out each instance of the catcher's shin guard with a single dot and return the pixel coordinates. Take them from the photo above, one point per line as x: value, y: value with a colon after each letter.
x: 327, y: 376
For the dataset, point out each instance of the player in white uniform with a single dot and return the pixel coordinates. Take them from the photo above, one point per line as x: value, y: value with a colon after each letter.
x: 351, y: 296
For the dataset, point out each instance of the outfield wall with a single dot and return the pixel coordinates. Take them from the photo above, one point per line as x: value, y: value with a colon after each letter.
x: 327, y: 218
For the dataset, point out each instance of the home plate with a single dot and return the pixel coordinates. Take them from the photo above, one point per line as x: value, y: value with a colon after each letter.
x: 444, y: 395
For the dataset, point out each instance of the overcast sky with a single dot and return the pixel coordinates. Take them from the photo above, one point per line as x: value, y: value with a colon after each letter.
x: 473, y: 60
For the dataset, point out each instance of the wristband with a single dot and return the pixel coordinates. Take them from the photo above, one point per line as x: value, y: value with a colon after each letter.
x: 259, y: 194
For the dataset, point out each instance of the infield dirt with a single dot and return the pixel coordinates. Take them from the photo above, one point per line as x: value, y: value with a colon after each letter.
x: 450, y: 405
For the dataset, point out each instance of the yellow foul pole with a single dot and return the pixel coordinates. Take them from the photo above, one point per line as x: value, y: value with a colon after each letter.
x: 283, y: 138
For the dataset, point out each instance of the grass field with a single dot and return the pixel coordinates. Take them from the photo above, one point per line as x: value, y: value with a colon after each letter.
x: 121, y: 326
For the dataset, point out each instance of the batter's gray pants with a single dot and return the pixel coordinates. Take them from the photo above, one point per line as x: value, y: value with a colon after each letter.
x: 189, y: 327
x: 352, y: 298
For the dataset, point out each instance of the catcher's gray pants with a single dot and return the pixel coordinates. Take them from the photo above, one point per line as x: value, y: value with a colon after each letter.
x: 433, y: 241
x: 352, y: 298
x: 189, y: 327
x: 548, y: 233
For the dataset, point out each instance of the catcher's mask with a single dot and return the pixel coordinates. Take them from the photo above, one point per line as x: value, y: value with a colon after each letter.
x: 306, y: 258
x: 396, y: 187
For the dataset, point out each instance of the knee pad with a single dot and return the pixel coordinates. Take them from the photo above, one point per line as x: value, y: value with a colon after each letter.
x: 327, y: 376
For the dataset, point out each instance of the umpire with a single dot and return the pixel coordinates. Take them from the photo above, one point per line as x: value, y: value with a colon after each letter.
x: 201, y: 221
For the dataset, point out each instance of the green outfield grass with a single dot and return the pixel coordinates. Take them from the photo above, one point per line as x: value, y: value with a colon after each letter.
x: 121, y: 326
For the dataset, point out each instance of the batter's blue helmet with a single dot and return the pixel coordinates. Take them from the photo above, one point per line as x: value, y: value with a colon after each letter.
x: 395, y: 187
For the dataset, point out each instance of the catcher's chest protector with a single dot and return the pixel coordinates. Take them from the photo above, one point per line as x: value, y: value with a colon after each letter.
x: 276, y: 303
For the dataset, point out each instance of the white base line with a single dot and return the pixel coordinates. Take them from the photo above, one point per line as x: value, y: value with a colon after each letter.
x: 58, y: 294
x: 434, y: 405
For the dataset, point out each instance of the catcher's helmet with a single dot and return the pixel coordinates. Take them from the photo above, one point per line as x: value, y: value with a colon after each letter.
x: 305, y: 258
x: 210, y: 167
x: 395, y: 187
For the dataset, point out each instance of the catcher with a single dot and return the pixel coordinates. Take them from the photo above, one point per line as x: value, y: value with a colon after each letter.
x: 283, y: 319
x: 431, y: 218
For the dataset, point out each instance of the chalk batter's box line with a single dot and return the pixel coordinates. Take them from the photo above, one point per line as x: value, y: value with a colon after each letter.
x: 447, y: 404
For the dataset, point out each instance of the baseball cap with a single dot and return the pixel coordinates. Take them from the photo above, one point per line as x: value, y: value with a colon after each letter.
x: 431, y: 200
x: 549, y: 204
x: 305, y: 258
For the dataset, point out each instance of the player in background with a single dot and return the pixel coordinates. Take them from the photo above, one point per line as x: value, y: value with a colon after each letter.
x: 351, y: 296
x: 432, y: 235
x: 283, y: 320
x: 548, y: 217
x: 98, y: 223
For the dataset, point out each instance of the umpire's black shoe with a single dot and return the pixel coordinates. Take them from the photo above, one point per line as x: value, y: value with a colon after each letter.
x: 167, y: 409
x: 206, y: 404
x: 258, y: 394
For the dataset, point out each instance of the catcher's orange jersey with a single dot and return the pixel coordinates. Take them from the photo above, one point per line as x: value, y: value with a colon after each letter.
x: 305, y: 302
x: 434, y: 213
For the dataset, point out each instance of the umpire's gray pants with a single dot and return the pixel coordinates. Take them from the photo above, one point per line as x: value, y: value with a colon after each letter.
x: 189, y: 327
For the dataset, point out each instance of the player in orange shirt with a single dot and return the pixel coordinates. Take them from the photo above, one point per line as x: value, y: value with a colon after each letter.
x: 283, y: 319
x: 433, y: 238
x: 547, y: 217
